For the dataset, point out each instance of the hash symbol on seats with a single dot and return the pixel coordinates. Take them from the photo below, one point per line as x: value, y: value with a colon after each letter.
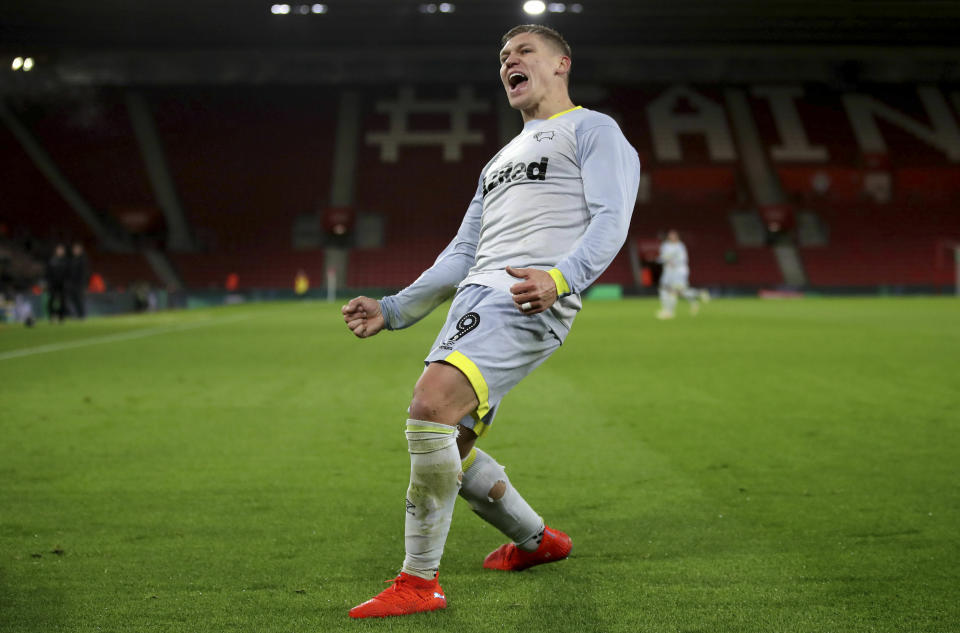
x: 452, y: 140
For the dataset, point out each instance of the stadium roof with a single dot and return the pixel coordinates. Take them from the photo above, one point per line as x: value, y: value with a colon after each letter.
x: 123, y: 41
x: 232, y: 23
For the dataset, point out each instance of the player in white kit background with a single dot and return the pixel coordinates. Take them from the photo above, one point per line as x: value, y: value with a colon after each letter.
x: 551, y: 210
x: 675, y: 279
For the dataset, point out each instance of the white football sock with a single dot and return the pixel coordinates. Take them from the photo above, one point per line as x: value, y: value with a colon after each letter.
x: 435, y: 472
x: 490, y: 494
x: 668, y: 300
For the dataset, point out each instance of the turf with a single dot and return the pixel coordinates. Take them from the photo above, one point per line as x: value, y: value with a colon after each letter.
x: 767, y: 466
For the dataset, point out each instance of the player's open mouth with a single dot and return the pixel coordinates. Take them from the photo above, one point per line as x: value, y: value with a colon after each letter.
x: 515, y: 79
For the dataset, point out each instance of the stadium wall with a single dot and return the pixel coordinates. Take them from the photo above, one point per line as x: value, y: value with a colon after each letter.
x: 877, y: 166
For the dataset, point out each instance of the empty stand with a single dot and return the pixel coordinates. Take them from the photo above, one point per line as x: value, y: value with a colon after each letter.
x: 92, y: 143
x: 121, y: 270
x: 257, y: 269
x: 889, y: 245
x: 393, y: 267
x: 421, y: 195
x: 247, y: 162
x: 31, y: 208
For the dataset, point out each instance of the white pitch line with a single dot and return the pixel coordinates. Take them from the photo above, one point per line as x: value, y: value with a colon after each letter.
x: 111, y: 338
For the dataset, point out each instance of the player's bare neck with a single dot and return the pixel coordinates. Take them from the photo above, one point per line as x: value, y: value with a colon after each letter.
x: 547, y: 108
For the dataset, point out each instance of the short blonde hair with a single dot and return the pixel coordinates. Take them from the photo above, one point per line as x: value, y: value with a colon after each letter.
x: 545, y: 32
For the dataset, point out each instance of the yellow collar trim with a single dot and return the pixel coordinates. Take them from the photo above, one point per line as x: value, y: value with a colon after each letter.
x: 564, y: 112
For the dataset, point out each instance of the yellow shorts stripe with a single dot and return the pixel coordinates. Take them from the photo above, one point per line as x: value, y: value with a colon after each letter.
x: 472, y: 372
x: 468, y: 462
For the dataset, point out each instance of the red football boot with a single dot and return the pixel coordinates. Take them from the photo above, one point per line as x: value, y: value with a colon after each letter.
x: 555, y: 546
x: 406, y: 594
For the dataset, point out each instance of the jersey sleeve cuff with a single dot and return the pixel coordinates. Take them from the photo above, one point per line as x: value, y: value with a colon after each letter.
x: 386, y: 310
x: 563, y: 288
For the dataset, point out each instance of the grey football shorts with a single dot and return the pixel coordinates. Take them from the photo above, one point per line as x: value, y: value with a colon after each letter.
x: 493, y: 344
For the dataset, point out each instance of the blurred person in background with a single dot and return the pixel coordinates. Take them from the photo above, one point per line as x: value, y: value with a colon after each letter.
x: 301, y: 283
x: 23, y: 311
x: 57, y: 272
x: 141, y: 296
x: 674, y: 280
x: 78, y: 274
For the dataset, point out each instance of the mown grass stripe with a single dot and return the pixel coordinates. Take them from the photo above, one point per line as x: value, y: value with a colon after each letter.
x: 113, y: 338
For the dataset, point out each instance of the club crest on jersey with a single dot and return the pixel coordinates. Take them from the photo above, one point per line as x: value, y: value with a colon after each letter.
x: 535, y: 170
x: 539, y: 136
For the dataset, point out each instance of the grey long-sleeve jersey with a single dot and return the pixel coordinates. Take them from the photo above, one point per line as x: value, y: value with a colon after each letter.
x: 559, y: 195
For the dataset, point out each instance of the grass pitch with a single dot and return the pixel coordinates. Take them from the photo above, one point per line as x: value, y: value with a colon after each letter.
x: 764, y: 467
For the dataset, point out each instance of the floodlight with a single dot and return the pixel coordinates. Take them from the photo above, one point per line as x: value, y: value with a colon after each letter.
x: 319, y: 8
x: 280, y: 9
x: 17, y: 63
x: 28, y: 64
x: 447, y: 7
x: 534, y: 7
x: 556, y: 7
